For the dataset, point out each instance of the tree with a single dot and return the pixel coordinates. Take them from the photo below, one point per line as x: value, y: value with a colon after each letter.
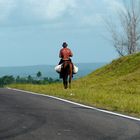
x: 18, y: 79
x: 30, y: 79
x: 126, y: 37
x: 39, y: 74
x: 8, y: 80
x: 1, y: 82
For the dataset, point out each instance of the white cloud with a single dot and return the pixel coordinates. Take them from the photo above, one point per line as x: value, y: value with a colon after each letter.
x: 92, y: 20
x: 78, y: 12
x: 39, y: 9
x: 50, y: 9
x: 6, y: 7
x: 114, y: 5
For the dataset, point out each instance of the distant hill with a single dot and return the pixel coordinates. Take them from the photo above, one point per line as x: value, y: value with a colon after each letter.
x: 47, y: 70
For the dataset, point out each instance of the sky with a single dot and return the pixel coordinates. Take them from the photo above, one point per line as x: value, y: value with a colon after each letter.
x: 32, y: 31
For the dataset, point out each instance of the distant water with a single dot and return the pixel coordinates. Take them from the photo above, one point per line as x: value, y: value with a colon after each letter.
x: 48, y: 70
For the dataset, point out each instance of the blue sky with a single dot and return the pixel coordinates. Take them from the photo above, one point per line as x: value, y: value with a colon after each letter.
x: 32, y: 31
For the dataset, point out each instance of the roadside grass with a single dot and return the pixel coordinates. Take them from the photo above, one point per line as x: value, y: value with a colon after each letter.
x: 114, y: 87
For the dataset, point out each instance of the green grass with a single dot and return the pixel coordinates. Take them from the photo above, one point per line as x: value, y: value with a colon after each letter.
x: 114, y: 87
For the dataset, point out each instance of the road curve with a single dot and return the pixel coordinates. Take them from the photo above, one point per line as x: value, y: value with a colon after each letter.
x: 25, y: 116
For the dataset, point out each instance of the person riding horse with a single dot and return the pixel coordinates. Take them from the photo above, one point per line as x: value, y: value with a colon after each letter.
x: 65, y: 54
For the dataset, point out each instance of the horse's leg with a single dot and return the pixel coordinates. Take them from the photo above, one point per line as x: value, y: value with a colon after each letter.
x: 64, y: 77
x: 70, y: 76
x: 65, y: 83
x: 69, y: 83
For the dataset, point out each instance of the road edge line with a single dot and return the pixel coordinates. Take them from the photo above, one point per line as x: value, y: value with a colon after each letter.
x: 78, y: 104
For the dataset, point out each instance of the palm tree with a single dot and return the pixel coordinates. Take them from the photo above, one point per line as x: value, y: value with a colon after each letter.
x: 30, y: 79
x: 39, y: 74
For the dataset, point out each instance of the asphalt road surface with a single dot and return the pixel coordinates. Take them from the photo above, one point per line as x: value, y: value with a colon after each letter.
x: 25, y: 116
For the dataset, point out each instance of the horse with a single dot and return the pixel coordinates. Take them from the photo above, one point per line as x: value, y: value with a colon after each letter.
x: 67, y: 71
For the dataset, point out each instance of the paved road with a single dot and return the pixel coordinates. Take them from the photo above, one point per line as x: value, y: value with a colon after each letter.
x: 25, y: 116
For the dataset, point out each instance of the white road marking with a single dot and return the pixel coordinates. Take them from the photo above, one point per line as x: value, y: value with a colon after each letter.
x: 78, y: 104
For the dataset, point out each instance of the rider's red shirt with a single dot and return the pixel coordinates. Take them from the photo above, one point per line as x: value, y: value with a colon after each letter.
x: 65, y: 53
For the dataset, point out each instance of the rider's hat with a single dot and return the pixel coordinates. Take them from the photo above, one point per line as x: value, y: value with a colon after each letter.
x: 64, y: 44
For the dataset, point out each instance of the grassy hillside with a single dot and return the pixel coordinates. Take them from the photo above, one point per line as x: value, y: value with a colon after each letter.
x: 115, y: 86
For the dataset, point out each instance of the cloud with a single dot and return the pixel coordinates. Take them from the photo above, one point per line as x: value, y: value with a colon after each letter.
x: 50, y: 9
x: 57, y: 12
x: 39, y: 9
x: 6, y: 7
x: 114, y: 5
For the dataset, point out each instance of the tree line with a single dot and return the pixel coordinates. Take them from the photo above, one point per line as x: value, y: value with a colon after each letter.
x: 10, y: 79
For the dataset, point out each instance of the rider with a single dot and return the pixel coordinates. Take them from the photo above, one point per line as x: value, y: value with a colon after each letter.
x: 65, y: 54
